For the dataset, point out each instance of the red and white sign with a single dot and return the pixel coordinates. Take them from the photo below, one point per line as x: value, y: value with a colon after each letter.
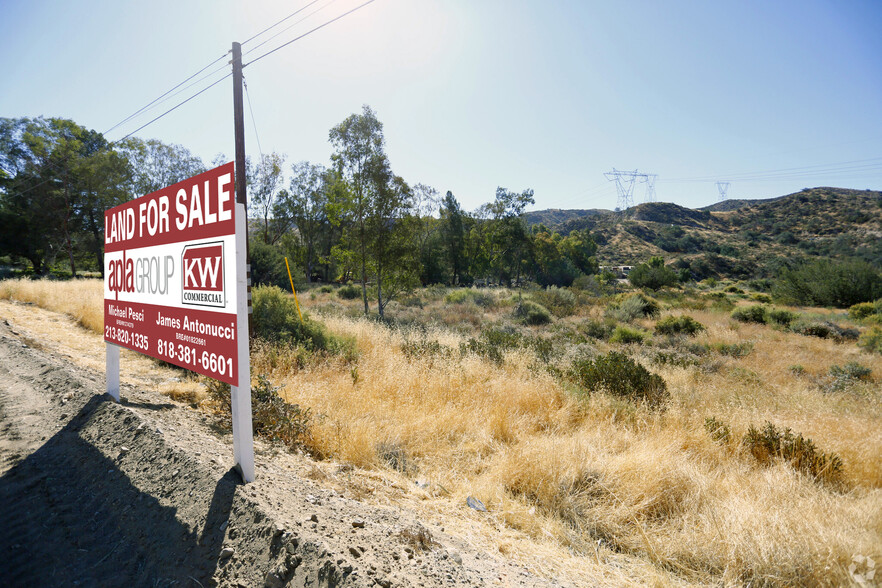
x: 170, y: 275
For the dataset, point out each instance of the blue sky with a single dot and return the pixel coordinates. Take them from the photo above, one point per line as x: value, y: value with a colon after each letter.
x: 476, y: 94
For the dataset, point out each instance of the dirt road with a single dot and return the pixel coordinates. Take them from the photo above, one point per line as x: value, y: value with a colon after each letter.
x: 141, y: 493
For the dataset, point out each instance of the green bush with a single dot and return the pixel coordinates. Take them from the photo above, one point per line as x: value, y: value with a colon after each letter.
x: 718, y: 430
x: 560, y: 301
x: 273, y: 418
x: 861, y: 310
x: 770, y: 443
x: 595, y: 329
x: 466, y: 295
x: 823, y: 330
x: 678, y: 325
x: 623, y: 334
x: 532, y: 313
x: 275, y: 318
x: 872, y: 340
x: 621, y: 376
x: 782, y: 317
x: 634, y: 306
x: 851, y: 371
x: 733, y: 290
x: 652, y: 275
x: 750, y: 314
x: 761, y: 298
x: 742, y: 349
x: 326, y: 289
x: 829, y: 282
x: 349, y: 292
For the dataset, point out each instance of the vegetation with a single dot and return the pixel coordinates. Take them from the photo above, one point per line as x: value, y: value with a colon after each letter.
x: 678, y: 325
x: 620, y: 375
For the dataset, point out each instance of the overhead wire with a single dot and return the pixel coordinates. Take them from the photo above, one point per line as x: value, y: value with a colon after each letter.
x: 278, y: 22
x: 321, y: 26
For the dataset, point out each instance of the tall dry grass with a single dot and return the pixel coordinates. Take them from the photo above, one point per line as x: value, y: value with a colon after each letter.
x: 605, y: 482
x: 83, y: 300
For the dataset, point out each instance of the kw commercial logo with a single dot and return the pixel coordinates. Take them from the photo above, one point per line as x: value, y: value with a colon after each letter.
x: 203, y: 275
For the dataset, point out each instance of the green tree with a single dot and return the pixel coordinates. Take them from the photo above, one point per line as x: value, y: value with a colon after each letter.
x: 264, y: 183
x: 453, y: 236
x: 653, y: 275
x: 155, y: 165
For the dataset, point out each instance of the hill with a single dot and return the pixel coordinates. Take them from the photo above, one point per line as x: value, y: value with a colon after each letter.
x: 737, y: 238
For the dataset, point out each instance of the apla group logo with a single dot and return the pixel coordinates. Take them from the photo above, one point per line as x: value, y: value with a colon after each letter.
x: 203, y: 275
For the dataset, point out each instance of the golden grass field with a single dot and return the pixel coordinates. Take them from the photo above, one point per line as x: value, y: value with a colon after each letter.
x: 593, y: 483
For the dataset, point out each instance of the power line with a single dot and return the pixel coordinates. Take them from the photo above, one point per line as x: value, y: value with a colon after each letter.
x: 178, y: 105
x: 292, y: 25
x: 792, y: 172
x: 321, y: 26
x: 278, y: 22
x: 253, y: 121
x: 149, y: 104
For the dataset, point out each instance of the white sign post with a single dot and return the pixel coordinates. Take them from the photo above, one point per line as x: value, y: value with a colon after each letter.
x: 175, y: 288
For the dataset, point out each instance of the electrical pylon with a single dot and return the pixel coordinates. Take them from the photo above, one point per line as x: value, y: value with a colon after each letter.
x: 723, y: 187
x: 625, y: 181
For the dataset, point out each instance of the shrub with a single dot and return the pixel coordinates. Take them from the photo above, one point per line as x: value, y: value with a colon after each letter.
x: 620, y: 375
x: 861, y: 310
x: 678, y: 325
x: 733, y: 290
x: 532, y: 313
x: 623, y: 334
x: 851, y: 371
x: 652, y: 275
x: 718, y: 430
x: 829, y: 283
x: 326, y: 289
x: 823, y: 330
x: 560, y: 301
x: 634, y: 306
x: 770, y: 443
x: 750, y: 314
x: 782, y: 317
x: 761, y: 298
x: 273, y: 417
x: 349, y: 292
x: 872, y: 340
x: 595, y: 329
x: 275, y: 318
x: 742, y: 349
x: 465, y: 295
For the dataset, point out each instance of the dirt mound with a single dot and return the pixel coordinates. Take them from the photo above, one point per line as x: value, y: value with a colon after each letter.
x: 137, y: 494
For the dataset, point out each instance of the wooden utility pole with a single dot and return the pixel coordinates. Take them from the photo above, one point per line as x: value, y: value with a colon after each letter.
x: 240, y: 396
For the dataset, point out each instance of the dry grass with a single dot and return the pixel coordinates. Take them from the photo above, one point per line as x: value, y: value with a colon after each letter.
x: 598, y: 487
x: 83, y: 300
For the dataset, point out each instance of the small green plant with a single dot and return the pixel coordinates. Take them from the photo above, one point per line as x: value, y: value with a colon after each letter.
x: 326, y: 289
x: 781, y: 317
x: 851, y: 371
x: 621, y: 376
x: 595, y: 329
x: 872, y: 340
x: 678, y: 325
x: 750, y: 314
x: 733, y: 290
x: 532, y: 313
x: 349, y: 292
x: 632, y: 307
x: 761, y: 298
x: 466, y: 295
x: 742, y: 349
x: 623, y: 334
x: 718, y: 430
x: 797, y: 369
x: 823, y: 329
x: 769, y: 443
x: 276, y: 419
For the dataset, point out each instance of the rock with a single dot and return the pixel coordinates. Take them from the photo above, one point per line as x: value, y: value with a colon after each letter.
x: 476, y: 504
x: 314, y: 518
x: 455, y: 556
x: 354, y: 551
x: 273, y: 581
x: 358, y: 524
x: 123, y: 450
x: 224, y: 525
x: 384, y: 582
x: 227, y: 552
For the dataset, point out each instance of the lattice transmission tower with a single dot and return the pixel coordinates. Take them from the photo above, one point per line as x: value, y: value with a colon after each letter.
x: 649, y: 180
x: 626, y: 182
x: 723, y: 187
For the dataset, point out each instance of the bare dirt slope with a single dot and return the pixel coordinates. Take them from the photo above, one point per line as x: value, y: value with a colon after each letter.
x: 141, y: 493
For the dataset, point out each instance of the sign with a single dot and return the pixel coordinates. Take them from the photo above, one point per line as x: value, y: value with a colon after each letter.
x: 170, y: 288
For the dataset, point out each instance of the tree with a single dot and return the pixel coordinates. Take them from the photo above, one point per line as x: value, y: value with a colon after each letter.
x: 653, y: 275
x: 509, y: 236
x: 264, y: 183
x: 305, y: 207
x: 359, y: 154
x: 155, y: 165
x: 453, y: 236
